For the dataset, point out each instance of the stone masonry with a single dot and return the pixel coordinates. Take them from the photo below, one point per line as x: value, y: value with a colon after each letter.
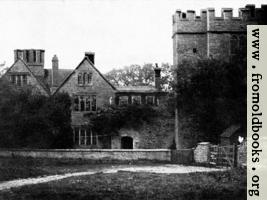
x: 210, y: 36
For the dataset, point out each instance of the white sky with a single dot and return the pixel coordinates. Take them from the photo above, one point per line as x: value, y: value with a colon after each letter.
x: 120, y: 32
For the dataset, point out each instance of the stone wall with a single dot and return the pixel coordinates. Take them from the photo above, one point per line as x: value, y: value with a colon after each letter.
x: 93, y: 154
x: 157, y: 135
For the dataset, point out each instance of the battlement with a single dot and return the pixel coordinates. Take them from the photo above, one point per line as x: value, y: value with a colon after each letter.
x: 189, y: 22
x: 247, y: 13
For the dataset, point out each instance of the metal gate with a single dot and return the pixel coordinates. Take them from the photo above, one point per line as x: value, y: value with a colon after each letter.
x: 223, y: 155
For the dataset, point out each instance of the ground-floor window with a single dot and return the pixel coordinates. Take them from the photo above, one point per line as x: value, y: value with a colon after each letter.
x: 84, y: 136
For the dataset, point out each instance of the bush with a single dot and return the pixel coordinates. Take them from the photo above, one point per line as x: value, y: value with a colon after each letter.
x: 32, y: 120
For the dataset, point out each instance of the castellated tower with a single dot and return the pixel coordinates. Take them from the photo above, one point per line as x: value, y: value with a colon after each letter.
x: 210, y: 36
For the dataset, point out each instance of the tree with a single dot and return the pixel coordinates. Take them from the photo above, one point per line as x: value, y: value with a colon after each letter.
x: 32, y: 120
x: 135, y: 75
x: 3, y: 69
x: 212, y: 96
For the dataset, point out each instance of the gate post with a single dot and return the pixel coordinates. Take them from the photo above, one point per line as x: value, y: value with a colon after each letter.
x: 202, y: 153
x: 235, y: 155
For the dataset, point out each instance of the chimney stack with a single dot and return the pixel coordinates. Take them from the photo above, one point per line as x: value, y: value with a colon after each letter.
x: 91, y: 56
x: 54, y: 71
x: 157, y: 77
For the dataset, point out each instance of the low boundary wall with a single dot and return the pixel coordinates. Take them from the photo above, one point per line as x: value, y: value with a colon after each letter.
x: 92, y: 154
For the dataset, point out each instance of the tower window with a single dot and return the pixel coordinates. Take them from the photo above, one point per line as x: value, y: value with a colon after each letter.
x: 234, y: 45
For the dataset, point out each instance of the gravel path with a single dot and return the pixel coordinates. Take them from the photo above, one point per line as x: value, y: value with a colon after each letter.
x: 167, y: 168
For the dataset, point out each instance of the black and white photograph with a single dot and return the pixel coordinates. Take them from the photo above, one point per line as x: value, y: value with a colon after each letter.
x: 129, y: 100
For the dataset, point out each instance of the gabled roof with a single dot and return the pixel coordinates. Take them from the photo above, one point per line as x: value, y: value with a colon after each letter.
x: 68, y: 77
x: 41, y: 83
x: 62, y: 74
x: 230, y: 130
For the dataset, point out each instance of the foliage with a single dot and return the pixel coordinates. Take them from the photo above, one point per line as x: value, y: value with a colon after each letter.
x: 3, y: 68
x: 213, y: 94
x: 136, y: 75
x: 111, y: 119
x: 32, y: 120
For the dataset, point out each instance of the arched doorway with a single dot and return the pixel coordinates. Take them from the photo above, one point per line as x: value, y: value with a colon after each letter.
x: 127, y: 142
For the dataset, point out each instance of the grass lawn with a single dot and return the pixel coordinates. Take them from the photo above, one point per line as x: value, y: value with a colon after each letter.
x: 18, y: 167
x: 132, y: 185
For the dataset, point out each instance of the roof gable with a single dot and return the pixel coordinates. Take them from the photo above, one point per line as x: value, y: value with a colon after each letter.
x: 85, y: 64
x: 19, y: 66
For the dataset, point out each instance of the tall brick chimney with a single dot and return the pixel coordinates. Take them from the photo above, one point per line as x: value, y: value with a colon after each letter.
x: 54, y: 71
x: 91, y: 56
x: 34, y: 59
x: 157, y: 77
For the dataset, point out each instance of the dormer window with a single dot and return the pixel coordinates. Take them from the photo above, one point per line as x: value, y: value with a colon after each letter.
x: 85, y: 78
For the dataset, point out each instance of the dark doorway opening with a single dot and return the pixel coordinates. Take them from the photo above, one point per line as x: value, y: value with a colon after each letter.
x: 126, y: 142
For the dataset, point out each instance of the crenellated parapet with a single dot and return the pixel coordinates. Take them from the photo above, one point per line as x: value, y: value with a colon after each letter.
x: 188, y: 22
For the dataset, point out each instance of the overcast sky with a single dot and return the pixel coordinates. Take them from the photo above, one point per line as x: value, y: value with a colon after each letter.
x: 120, y: 32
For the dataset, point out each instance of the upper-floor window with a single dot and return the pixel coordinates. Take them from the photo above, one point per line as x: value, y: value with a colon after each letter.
x: 150, y: 100
x: 85, y: 103
x: 136, y: 100
x: 19, y: 79
x: 123, y: 100
x: 85, y: 78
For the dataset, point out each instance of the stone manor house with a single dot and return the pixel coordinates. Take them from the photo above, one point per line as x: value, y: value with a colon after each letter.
x: 89, y: 91
x: 193, y: 37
